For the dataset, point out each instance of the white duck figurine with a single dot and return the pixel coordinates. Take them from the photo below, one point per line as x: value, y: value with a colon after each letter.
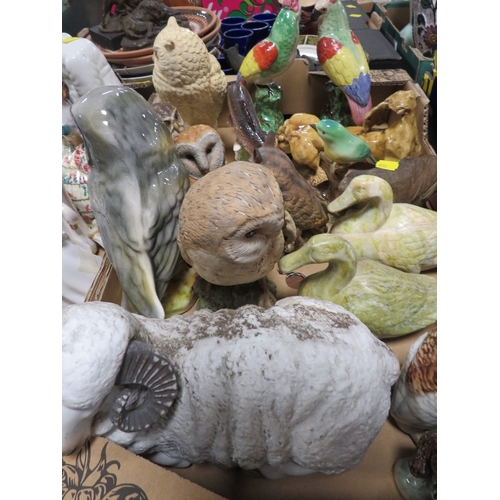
x: 399, y: 235
x: 389, y: 302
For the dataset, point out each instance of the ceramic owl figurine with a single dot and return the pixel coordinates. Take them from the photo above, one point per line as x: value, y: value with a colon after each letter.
x: 136, y: 185
x: 186, y: 75
x: 230, y: 226
x: 200, y: 149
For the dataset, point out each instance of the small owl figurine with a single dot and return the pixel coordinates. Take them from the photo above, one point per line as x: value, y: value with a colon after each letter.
x: 200, y: 149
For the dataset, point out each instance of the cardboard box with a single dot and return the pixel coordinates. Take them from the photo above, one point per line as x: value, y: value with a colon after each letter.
x: 373, y: 477
x: 304, y: 92
x: 395, y: 16
x: 117, y: 473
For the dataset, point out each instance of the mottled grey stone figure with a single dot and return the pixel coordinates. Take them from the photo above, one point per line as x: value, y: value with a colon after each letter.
x: 136, y: 186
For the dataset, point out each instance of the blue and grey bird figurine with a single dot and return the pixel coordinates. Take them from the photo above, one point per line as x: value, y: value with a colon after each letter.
x: 136, y: 186
x: 341, y: 146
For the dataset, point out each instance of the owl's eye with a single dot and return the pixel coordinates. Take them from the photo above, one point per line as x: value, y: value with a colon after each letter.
x: 209, y: 150
x: 250, y: 234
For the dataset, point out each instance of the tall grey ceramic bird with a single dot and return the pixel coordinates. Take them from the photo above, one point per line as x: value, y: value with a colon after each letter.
x: 136, y: 185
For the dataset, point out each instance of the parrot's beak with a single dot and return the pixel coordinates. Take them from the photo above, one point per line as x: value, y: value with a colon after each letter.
x: 313, y: 125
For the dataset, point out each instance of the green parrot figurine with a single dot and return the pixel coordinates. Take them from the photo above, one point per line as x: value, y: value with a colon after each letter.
x: 343, y: 59
x: 341, y: 146
x: 275, y: 54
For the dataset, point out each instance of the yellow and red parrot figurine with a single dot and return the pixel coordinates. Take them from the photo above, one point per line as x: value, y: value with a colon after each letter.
x: 275, y: 54
x: 343, y: 59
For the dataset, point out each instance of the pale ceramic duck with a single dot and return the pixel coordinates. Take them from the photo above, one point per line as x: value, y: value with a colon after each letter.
x: 400, y: 235
x: 414, y: 398
x: 389, y: 302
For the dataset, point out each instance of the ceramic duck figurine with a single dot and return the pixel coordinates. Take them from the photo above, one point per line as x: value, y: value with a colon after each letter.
x: 275, y: 54
x: 400, y: 235
x: 414, y: 398
x: 343, y: 59
x: 340, y: 145
x: 187, y: 76
x: 389, y: 302
x: 136, y: 186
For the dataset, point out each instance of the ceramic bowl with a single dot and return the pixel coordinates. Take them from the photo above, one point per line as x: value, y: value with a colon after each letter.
x: 203, y: 22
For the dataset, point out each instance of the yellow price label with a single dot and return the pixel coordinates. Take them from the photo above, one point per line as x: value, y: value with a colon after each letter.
x: 387, y: 165
x: 354, y: 15
x: 70, y: 39
x: 350, y: 6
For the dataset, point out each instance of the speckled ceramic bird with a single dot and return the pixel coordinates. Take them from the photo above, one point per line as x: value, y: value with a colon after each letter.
x: 275, y: 54
x: 340, y: 145
x: 200, y: 149
x: 400, y: 235
x: 414, y: 397
x: 343, y: 59
x: 230, y: 224
x: 136, y: 186
x: 389, y: 302
x: 187, y: 76
x: 300, y: 199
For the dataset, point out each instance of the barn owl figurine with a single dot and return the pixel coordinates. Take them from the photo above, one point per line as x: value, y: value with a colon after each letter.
x: 186, y: 75
x: 200, y: 149
x: 414, y: 399
x: 230, y: 224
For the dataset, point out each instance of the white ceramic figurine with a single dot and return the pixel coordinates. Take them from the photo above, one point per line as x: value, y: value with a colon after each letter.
x: 298, y: 388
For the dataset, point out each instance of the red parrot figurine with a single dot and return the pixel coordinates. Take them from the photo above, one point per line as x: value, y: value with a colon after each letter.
x: 343, y: 59
x: 275, y: 54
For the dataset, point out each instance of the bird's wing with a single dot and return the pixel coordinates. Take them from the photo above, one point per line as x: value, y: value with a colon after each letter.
x: 122, y: 230
x: 337, y: 61
x: 260, y: 58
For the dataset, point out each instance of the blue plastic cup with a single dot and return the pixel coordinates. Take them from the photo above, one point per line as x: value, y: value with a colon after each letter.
x: 240, y: 37
x: 267, y: 17
x: 259, y: 29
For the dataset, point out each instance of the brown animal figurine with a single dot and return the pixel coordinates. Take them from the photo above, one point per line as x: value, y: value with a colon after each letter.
x: 414, y: 181
x: 297, y: 138
x: 300, y: 199
x: 399, y: 136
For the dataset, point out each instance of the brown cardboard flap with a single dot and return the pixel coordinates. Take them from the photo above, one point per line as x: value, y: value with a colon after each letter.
x: 119, y: 474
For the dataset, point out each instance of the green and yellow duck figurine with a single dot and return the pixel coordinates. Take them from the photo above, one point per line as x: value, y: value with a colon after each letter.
x: 391, y: 303
x: 400, y: 235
